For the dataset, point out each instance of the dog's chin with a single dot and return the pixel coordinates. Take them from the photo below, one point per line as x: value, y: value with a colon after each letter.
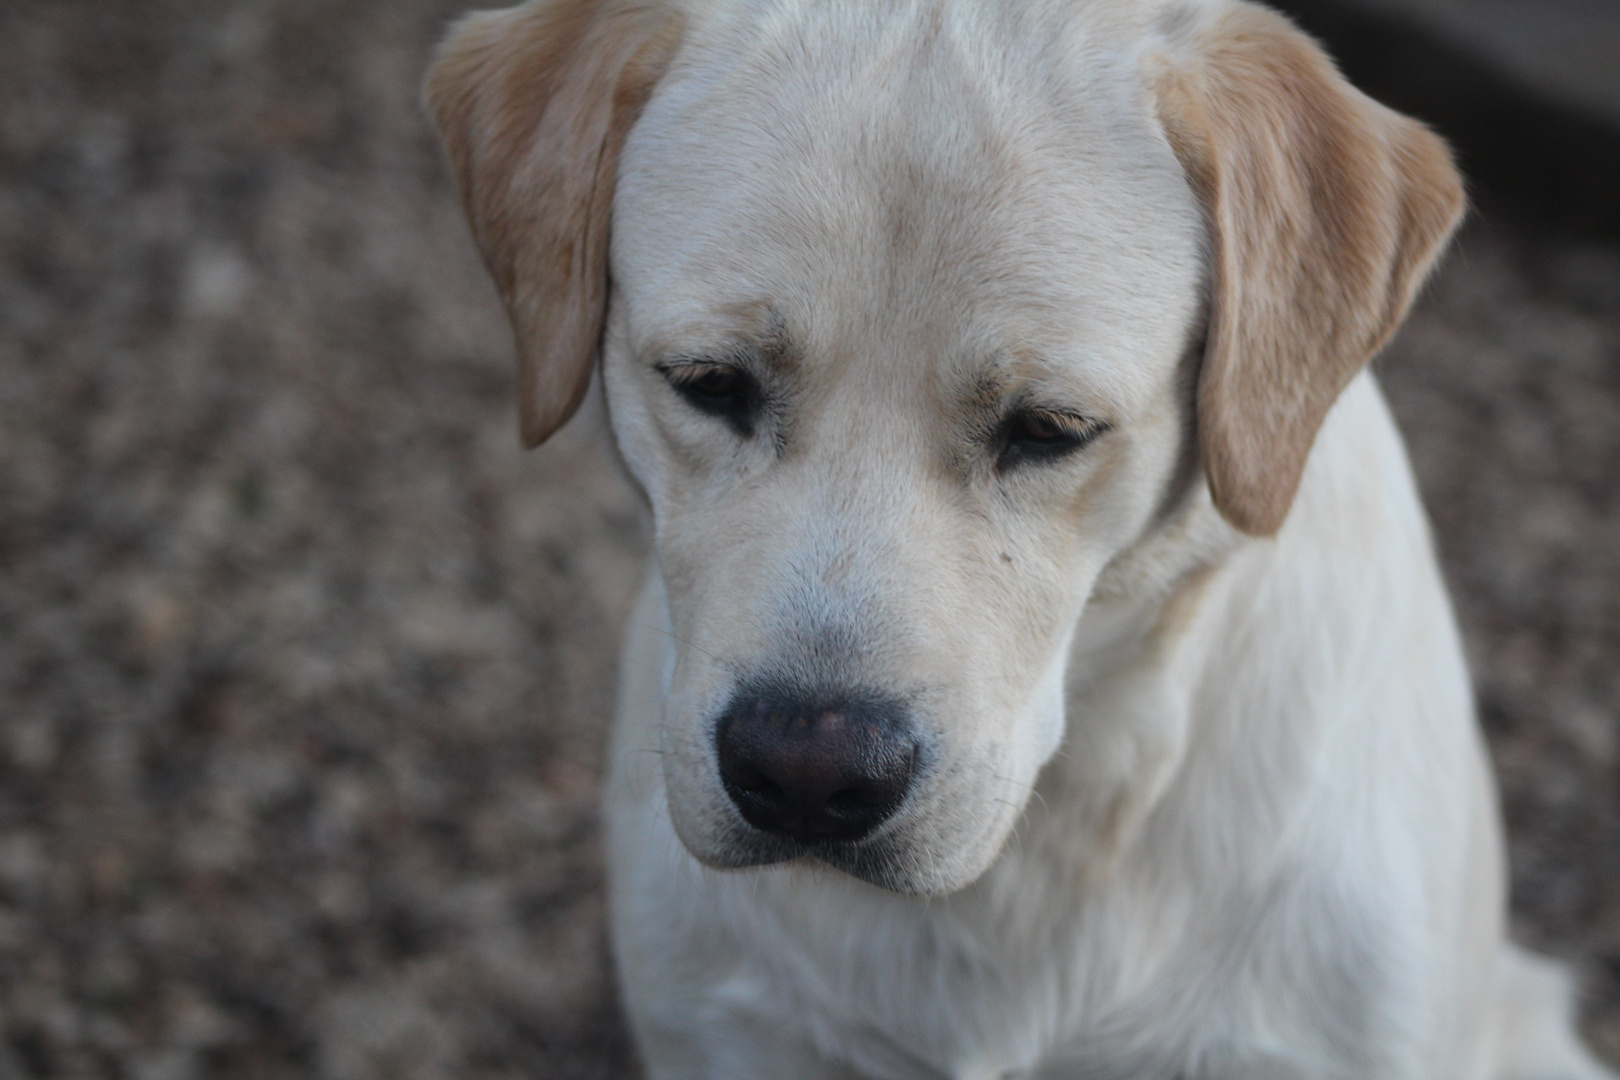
x: 890, y: 860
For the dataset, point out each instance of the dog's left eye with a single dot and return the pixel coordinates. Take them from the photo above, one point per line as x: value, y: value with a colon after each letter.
x: 1033, y: 435
x: 719, y: 390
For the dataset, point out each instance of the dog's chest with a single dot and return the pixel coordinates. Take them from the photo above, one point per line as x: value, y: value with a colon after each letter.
x: 970, y: 988
x: 1019, y: 978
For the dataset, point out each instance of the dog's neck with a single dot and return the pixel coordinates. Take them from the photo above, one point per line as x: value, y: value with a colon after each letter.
x: 1163, y: 634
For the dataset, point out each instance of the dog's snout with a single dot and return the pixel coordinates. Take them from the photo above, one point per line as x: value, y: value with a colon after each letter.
x: 814, y: 772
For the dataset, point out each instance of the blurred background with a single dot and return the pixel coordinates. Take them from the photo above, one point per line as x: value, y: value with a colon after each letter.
x: 304, y: 665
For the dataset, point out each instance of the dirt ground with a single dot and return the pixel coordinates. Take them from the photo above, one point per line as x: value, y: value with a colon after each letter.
x: 304, y: 665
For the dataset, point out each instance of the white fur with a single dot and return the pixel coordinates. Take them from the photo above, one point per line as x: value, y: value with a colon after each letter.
x: 1316, y: 894
x: 1207, y: 806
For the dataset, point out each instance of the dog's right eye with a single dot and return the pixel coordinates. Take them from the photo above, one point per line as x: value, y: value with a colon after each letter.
x: 1036, y: 435
x: 717, y: 389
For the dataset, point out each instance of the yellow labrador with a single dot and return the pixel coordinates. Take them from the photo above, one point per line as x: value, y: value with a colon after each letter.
x: 1044, y: 671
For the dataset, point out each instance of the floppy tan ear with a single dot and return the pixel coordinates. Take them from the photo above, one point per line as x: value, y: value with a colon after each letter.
x: 1326, y: 210
x: 533, y: 104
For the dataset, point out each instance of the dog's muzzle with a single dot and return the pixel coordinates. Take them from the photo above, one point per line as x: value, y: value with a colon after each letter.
x: 815, y: 771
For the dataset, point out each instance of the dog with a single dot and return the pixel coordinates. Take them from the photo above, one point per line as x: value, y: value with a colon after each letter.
x: 1045, y: 671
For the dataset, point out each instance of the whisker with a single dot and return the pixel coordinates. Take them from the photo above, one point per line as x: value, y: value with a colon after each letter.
x: 672, y: 635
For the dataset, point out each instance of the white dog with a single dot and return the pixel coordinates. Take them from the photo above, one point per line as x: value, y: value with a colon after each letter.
x: 1045, y: 671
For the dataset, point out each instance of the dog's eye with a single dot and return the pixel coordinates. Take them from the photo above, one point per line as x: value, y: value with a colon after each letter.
x: 717, y: 389
x: 1033, y: 435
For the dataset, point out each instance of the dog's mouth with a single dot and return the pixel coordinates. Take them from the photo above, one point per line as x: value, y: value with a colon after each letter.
x: 853, y: 833
x: 884, y: 860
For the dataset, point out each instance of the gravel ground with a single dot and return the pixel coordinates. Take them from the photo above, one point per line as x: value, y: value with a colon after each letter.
x: 303, y: 664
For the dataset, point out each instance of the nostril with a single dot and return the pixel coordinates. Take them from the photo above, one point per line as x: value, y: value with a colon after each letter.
x: 813, y: 770
x: 857, y: 800
x: 755, y: 783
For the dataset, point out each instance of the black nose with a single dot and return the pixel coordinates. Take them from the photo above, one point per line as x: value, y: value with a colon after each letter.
x: 812, y: 771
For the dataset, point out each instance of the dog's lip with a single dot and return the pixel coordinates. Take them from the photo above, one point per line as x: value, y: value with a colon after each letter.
x: 788, y: 848
x: 878, y: 859
x: 745, y: 846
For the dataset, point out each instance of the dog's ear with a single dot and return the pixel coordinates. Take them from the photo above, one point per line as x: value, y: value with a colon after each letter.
x: 533, y: 104
x: 1325, y: 212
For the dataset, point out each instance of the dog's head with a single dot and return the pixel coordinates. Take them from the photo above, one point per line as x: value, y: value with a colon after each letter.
x: 916, y: 318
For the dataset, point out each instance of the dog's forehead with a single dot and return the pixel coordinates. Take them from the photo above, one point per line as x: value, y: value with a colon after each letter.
x: 927, y: 163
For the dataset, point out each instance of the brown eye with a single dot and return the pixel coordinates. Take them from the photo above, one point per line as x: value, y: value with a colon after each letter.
x: 714, y: 382
x: 719, y: 390
x: 1043, y: 427
x: 1035, y: 435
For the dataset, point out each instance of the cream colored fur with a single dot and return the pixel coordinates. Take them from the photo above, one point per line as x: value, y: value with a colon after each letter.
x: 1203, y: 796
